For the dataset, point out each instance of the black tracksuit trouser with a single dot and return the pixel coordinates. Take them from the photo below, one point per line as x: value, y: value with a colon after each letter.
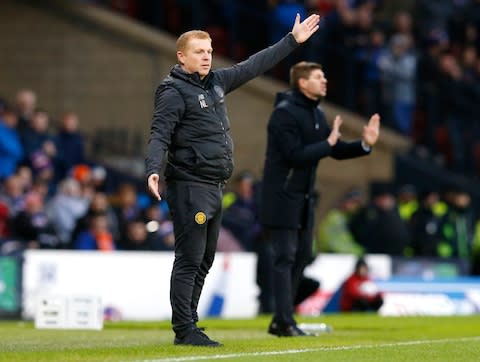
x: 196, y: 210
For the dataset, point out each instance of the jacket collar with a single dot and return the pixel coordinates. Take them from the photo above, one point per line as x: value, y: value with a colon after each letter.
x: 297, y: 97
x: 194, y: 78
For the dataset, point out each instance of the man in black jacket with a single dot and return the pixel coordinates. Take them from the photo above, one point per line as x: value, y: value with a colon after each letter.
x: 190, y: 121
x: 298, y: 137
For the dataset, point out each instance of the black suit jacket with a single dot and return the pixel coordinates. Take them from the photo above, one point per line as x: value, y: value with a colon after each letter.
x: 297, y: 140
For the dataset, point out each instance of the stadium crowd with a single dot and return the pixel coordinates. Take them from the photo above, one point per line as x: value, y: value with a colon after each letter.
x: 52, y: 197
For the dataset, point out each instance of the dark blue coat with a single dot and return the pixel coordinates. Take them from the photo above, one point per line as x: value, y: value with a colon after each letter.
x: 297, y: 140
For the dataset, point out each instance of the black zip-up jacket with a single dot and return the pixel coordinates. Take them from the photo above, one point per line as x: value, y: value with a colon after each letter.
x: 190, y: 118
x: 297, y: 140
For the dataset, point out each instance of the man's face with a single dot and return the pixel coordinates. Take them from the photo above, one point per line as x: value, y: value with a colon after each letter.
x: 197, y: 56
x: 315, y: 86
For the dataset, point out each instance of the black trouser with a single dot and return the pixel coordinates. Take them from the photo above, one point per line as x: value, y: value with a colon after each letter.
x: 196, y: 211
x: 292, y: 250
x: 264, y: 279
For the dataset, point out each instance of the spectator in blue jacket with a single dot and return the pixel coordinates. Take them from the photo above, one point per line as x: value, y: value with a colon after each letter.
x: 11, y: 151
x: 70, y: 141
x: 36, y: 139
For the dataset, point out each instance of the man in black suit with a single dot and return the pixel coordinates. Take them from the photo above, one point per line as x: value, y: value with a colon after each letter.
x: 298, y: 137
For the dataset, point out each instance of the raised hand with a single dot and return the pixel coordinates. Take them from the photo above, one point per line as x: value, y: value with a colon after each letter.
x: 335, y: 133
x: 371, y: 131
x: 303, y: 30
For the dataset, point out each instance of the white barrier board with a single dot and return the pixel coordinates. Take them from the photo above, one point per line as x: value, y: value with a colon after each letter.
x: 68, y: 312
x: 136, y: 285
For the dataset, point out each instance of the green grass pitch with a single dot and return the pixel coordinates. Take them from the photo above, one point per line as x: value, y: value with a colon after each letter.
x: 354, y: 338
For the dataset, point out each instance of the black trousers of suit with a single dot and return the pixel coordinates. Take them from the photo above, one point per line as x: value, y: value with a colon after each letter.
x: 196, y: 210
x: 292, y: 250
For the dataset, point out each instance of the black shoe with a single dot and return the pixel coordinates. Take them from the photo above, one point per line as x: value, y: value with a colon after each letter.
x: 287, y: 331
x: 196, y: 338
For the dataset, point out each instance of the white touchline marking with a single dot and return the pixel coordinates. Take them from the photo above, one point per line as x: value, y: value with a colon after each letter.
x: 321, y: 349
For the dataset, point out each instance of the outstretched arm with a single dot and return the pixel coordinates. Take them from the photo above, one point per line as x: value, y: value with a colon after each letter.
x: 233, y: 77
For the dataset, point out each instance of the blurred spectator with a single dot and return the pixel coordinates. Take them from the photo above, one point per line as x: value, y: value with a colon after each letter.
x: 97, y: 236
x: 98, y: 205
x: 70, y: 141
x: 24, y: 174
x: 457, y: 225
x: 465, y: 24
x: 12, y: 195
x: 425, y: 226
x: 32, y: 226
x: 281, y: 15
x: 402, y: 23
x: 283, y: 11
x: 82, y: 173
x: 359, y: 293
x: 26, y: 102
x: 65, y: 208
x: 125, y: 207
x: 475, y: 264
x: 137, y: 237
x: 159, y: 227
x: 227, y: 243
x: 240, y: 214
x: 469, y: 61
x: 378, y: 227
x: 428, y: 76
x: 11, y: 150
x: 368, y: 57
x: 99, y: 178
x: 4, y: 232
x: 42, y: 167
x: 397, y: 73
x: 354, y: 35
x: 41, y: 187
x: 320, y: 7
x: 459, y: 108
x: 407, y: 201
x: 334, y: 235
x: 37, y: 143
x: 433, y: 15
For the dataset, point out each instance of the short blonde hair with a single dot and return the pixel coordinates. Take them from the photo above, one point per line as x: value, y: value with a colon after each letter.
x: 183, y: 39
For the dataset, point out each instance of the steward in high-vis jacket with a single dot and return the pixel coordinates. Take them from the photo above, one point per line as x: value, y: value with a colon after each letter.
x: 190, y: 122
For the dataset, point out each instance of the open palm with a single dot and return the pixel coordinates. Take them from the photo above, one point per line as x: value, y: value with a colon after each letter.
x: 303, y: 30
x: 371, y: 131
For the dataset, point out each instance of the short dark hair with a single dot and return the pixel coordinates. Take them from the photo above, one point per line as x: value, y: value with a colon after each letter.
x: 361, y: 262
x: 302, y: 70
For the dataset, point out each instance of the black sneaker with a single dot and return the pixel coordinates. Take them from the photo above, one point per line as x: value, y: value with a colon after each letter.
x: 196, y: 338
x: 287, y: 331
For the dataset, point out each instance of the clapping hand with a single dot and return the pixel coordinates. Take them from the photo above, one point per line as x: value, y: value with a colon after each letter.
x: 371, y: 131
x: 335, y: 133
